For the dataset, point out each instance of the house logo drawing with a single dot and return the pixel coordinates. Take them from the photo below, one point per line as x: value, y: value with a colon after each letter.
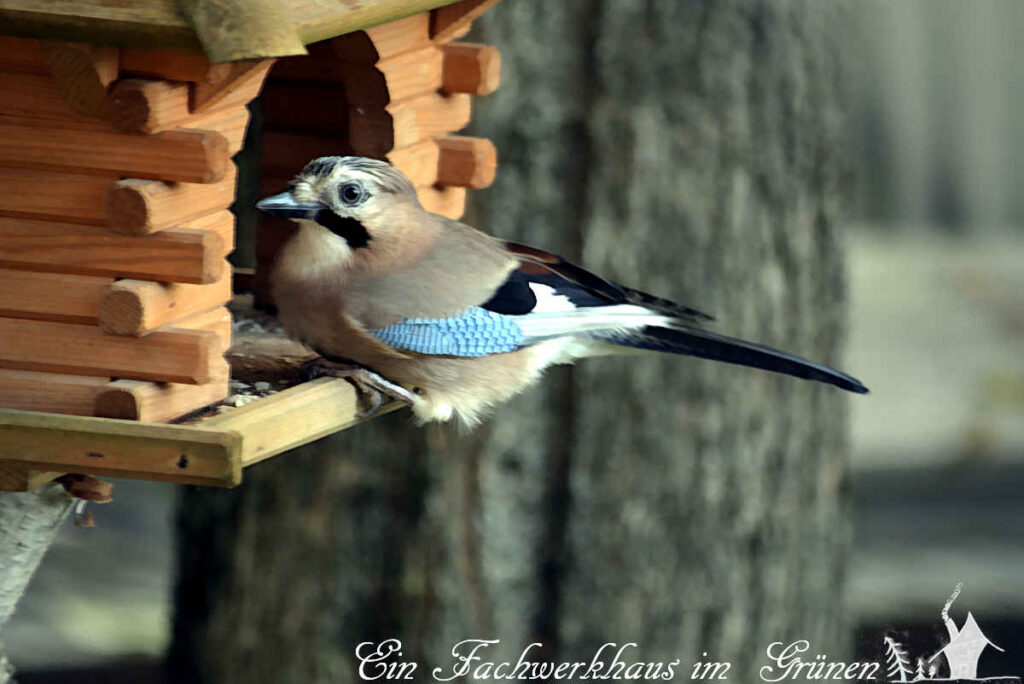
x: 959, y: 657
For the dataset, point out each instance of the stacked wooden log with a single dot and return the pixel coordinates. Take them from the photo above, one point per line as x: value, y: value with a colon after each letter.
x: 396, y: 91
x: 115, y: 182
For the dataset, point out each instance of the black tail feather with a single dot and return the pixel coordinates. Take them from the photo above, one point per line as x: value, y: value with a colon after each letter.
x: 708, y: 345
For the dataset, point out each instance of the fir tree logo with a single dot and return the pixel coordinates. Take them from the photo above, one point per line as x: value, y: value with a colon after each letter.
x: 897, y: 662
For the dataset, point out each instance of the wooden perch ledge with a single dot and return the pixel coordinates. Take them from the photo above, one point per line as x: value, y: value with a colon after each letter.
x: 210, y: 447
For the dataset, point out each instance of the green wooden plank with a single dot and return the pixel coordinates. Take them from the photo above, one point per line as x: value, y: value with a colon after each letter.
x: 153, y: 25
x: 120, y: 448
x: 316, y: 27
x: 160, y: 24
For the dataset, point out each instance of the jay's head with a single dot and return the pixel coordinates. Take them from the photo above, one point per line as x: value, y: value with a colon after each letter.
x: 356, y: 199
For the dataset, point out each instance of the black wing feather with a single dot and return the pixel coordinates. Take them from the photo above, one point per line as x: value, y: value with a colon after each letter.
x: 708, y: 345
x: 514, y: 297
x: 579, y: 285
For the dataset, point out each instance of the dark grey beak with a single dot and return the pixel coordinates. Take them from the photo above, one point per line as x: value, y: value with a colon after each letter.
x: 285, y: 206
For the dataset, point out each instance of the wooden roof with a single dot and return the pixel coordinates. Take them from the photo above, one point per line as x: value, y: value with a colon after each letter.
x: 225, y: 30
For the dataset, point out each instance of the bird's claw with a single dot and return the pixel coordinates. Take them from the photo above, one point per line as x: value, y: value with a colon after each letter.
x: 371, y: 386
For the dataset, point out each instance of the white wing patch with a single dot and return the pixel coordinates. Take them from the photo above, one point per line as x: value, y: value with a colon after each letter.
x: 555, y: 316
x: 548, y: 301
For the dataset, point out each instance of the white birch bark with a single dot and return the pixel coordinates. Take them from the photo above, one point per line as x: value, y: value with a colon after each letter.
x: 28, y: 524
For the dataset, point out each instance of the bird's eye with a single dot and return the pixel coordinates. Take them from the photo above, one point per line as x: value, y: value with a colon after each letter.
x: 351, y: 193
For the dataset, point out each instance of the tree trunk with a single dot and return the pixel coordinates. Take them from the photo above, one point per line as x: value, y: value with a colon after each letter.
x: 690, y: 149
x: 28, y: 524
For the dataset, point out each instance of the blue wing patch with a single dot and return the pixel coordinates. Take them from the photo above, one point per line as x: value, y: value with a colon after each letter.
x: 477, y: 332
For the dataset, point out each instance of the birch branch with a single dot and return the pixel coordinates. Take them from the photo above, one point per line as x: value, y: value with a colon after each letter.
x: 28, y: 524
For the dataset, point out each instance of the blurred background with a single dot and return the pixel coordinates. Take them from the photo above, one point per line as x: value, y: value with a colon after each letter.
x: 934, y: 240
x: 937, y: 317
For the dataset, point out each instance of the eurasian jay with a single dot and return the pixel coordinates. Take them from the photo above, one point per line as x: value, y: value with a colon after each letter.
x: 449, y: 319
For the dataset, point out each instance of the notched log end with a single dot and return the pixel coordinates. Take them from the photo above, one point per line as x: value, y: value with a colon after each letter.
x: 121, y: 311
x: 117, y: 402
x: 214, y: 251
x: 471, y: 68
x: 217, y: 150
x: 128, y: 208
x: 87, y: 487
x: 130, y: 107
x: 467, y: 162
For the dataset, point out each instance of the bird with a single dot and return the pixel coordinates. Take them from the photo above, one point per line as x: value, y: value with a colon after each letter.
x: 451, y: 320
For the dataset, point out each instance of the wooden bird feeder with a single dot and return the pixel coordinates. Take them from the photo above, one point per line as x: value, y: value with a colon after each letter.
x: 118, y: 125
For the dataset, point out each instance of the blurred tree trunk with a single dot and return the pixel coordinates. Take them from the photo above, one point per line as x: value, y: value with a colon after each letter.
x: 692, y: 149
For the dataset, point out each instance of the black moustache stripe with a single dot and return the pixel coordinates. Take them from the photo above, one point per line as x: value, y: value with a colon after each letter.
x: 349, y: 228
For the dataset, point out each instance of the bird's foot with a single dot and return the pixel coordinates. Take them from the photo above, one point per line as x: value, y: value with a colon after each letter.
x: 371, y: 386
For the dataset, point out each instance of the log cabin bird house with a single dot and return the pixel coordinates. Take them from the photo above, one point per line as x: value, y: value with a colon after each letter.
x: 118, y: 127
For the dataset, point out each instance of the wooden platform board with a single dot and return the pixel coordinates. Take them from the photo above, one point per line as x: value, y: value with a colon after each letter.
x: 211, y: 451
x: 215, y: 444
